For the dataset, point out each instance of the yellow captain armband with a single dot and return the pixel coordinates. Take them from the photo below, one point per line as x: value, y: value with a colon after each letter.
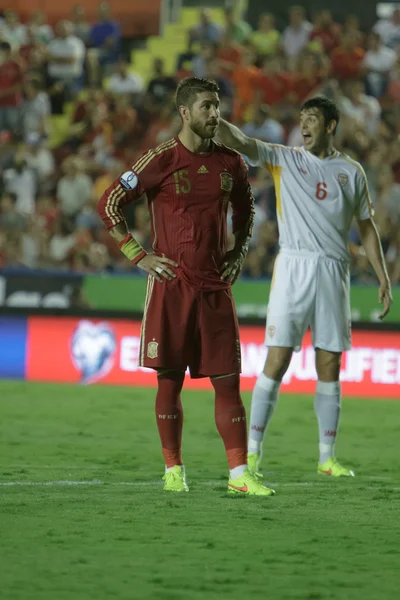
x: 132, y: 249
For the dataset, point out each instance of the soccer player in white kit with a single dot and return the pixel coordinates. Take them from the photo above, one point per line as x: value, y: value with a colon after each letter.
x: 318, y: 193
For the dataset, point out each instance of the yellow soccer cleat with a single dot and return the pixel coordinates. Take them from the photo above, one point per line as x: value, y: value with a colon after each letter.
x: 253, y: 462
x: 248, y: 485
x: 175, y: 480
x: 334, y: 469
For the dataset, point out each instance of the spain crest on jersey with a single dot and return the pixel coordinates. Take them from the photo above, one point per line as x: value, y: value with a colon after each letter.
x: 152, y: 349
x: 226, y: 182
x: 343, y: 179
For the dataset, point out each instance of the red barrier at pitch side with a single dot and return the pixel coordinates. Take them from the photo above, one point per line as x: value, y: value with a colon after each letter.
x: 95, y: 351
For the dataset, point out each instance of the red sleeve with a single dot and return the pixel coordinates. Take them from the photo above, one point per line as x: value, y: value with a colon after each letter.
x: 242, y: 201
x: 147, y: 173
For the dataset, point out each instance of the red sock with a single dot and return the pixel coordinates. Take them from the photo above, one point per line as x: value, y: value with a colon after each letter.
x: 230, y: 418
x: 169, y: 416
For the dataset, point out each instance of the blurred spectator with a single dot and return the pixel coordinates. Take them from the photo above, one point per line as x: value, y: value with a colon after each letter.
x: 389, y: 194
x: 238, y: 29
x: 62, y: 242
x: 31, y: 44
x: 98, y: 258
x: 325, y: 31
x: 263, y: 127
x: 245, y: 78
x: 306, y: 79
x: 266, y: 38
x: 296, y: 35
x: 123, y: 81
x: 351, y: 26
x: 377, y: 64
x: 66, y: 55
x: 206, y: 30
x: 105, y: 40
x: 89, y: 98
x: 113, y: 170
x: 7, y: 150
x: 184, y: 59
x: 12, y: 30
x: 207, y: 53
x: 123, y: 121
x: 39, y: 158
x: 389, y: 29
x: 10, y: 218
x: 229, y: 54
x: 81, y: 26
x: 35, y: 110
x: 347, y: 58
x: 42, y: 32
x: 11, y: 77
x: 74, y: 189
x: 274, y: 84
x: 394, y: 83
x: 359, y: 107
x: 21, y: 180
x: 161, y: 86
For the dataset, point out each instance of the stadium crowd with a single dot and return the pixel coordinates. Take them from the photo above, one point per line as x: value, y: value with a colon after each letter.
x: 49, y: 192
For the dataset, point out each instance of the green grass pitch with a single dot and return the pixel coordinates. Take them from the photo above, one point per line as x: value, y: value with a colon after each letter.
x: 83, y: 515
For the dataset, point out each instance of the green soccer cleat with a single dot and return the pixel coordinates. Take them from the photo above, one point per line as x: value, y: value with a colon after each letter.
x: 333, y: 468
x: 253, y: 462
x: 248, y: 485
x: 175, y: 480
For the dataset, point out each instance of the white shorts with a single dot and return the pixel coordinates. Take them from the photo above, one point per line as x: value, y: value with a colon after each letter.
x: 309, y: 290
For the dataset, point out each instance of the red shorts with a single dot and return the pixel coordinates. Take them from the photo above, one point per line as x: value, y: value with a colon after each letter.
x: 184, y: 327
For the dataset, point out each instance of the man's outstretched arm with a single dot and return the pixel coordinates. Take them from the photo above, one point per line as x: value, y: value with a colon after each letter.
x: 231, y: 136
x: 373, y: 249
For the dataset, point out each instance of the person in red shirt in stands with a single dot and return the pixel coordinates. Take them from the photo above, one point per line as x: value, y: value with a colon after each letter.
x: 245, y: 79
x: 11, y: 79
x: 228, y: 55
x: 308, y: 77
x: 326, y: 31
x: 347, y: 58
x: 26, y: 50
x: 273, y: 84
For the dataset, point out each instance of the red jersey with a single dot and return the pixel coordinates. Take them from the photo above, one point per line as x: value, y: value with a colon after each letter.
x: 346, y: 65
x: 188, y: 196
x: 10, y: 75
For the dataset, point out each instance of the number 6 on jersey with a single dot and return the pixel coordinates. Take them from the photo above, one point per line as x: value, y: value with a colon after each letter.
x: 322, y: 190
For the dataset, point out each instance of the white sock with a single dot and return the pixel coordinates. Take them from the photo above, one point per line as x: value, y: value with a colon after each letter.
x: 327, y: 409
x: 237, y: 471
x: 263, y: 402
x: 170, y: 468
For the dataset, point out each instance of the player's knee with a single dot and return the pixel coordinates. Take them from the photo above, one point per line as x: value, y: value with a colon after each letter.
x: 328, y: 365
x: 170, y: 381
x: 277, y: 363
x: 227, y: 388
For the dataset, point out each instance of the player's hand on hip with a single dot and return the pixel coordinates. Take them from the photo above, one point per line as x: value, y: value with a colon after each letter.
x: 158, y: 266
x: 232, y: 266
x: 385, y: 298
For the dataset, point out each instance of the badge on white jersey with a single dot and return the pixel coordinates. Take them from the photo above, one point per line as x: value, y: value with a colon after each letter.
x: 128, y: 180
x: 343, y: 179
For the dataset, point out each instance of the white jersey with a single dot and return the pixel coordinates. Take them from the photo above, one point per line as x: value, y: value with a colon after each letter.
x: 316, y: 199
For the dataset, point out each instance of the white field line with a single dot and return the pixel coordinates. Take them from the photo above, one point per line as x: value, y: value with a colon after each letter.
x: 97, y: 482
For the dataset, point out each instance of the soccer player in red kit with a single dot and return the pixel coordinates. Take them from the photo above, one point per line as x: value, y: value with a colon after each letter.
x: 189, y: 317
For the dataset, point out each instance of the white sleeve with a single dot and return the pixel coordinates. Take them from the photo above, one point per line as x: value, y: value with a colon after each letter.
x: 267, y: 153
x: 364, y: 205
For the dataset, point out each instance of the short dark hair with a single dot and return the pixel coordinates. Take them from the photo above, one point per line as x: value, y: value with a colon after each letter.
x: 6, y: 46
x: 189, y: 87
x: 329, y: 109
